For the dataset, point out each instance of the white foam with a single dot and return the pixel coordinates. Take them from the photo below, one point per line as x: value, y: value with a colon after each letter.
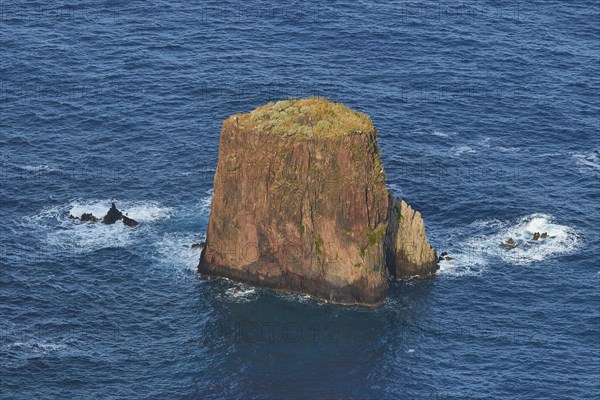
x: 205, y: 202
x: 61, y: 233
x: 37, y: 347
x: 459, y: 150
x: 561, y: 239
x: 240, y: 293
x: 477, y: 253
x: 439, y: 134
x: 588, y: 162
x: 141, y: 211
x: 505, y: 149
x: 38, y: 168
x: 174, y: 249
x: 463, y: 263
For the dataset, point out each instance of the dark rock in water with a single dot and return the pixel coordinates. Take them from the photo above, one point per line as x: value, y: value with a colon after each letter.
x: 88, y: 217
x: 71, y: 216
x: 544, y: 235
x: 129, y: 221
x: 113, y: 215
x: 510, y: 244
x: 536, y: 236
x: 198, y: 246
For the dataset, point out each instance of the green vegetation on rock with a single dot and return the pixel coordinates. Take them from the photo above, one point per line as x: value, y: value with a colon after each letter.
x: 311, y: 117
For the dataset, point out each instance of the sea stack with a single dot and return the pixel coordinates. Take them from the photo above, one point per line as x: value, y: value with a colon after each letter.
x: 300, y: 204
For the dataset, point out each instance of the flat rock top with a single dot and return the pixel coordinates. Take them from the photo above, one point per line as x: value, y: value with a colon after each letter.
x: 305, y: 118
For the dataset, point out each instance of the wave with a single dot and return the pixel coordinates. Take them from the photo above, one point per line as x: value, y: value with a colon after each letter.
x: 61, y: 233
x: 38, y: 168
x: 174, y: 249
x: 459, y: 150
x: 588, y: 162
x: 141, y: 211
x: 33, y: 346
x: 239, y: 293
x: 476, y: 253
x: 205, y: 202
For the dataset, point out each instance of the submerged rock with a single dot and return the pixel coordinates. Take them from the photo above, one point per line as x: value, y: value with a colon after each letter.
x: 300, y: 204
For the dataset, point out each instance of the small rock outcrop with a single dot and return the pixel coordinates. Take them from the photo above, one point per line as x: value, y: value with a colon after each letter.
x: 129, y: 221
x: 113, y: 215
x: 408, y: 253
x: 300, y: 204
x: 88, y: 217
x: 85, y: 217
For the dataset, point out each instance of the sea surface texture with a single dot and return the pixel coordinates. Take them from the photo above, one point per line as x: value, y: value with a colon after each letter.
x: 488, y: 118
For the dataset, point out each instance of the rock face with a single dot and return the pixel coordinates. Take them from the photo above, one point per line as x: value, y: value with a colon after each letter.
x: 300, y: 203
x: 408, y: 253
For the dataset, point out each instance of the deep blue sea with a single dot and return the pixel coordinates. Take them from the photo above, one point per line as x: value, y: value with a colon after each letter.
x: 488, y: 117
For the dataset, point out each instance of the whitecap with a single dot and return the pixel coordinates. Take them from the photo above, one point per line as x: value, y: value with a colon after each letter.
x: 439, y: 134
x: 175, y: 249
x: 588, y: 162
x: 61, y: 233
x: 478, y: 252
x: 205, y: 202
x: 561, y: 239
x: 240, y: 293
x: 33, y: 346
x: 141, y: 211
x: 459, y: 150
x: 463, y: 263
x: 504, y: 149
x: 38, y: 168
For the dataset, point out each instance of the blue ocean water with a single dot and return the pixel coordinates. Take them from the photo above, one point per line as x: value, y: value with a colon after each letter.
x: 488, y: 118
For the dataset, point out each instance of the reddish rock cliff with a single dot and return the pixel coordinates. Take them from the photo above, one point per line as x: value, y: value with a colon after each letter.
x: 300, y: 203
